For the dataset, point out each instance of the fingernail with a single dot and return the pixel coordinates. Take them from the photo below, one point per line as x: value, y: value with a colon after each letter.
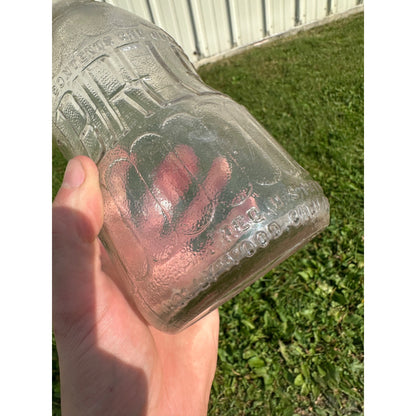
x: 74, y: 174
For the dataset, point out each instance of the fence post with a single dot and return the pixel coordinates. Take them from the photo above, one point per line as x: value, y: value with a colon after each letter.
x: 194, y: 32
x: 263, y: 9
x: 149, y: 8
x: 328, y: 7
x: 297, y: 13
x: 230, y: 24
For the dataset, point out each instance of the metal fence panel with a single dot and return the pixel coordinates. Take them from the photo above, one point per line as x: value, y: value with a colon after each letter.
x: 174, y: 17
x: 247, y: 21
x: 280, y: 15
x: 205, y: 28
x: 212, y: 27
x: 139, y: 7
x: 312, y: 10
x: 339, y: 6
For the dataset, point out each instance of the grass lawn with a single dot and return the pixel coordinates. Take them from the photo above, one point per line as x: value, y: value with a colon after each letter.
x: 292, y: 343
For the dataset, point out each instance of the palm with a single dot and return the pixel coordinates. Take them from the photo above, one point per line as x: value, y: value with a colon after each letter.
x: 111, y: 361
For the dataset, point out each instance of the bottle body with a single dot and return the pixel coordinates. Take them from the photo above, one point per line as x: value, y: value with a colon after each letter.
x: 199, y: 200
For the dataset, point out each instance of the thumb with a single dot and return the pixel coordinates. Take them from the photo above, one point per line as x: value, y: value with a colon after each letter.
x: 78, y: 196
x: 77, y: 217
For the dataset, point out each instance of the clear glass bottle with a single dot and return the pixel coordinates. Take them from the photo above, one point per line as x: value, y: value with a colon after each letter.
x: 199, y: 200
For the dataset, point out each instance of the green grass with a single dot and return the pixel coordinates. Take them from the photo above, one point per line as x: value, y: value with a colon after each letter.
x: 292, y: 343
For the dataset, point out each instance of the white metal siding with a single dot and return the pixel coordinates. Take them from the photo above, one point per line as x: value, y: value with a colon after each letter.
x: 340, y: 6
x: 247, y: 21
x: 174, y: 17
x: 280, y: 15
x: 205, y: 28
x: 136, y: 6
x: 312, y: 10
x: 212, y: 26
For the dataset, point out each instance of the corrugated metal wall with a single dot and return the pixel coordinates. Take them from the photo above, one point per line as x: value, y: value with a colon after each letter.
x: 206, y: 28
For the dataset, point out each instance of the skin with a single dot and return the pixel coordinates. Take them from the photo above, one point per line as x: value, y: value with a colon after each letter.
x: 111, y: 361
x: 156, y: 242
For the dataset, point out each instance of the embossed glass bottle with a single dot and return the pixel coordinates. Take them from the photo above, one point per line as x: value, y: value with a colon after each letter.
x: 199, y: 200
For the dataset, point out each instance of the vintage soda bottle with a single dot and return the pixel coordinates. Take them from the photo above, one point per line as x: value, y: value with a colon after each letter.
x: 199, y: 200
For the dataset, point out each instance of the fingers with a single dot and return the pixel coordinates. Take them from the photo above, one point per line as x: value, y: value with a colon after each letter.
x: 77, y: 208
x: 197, y: 217
x: 200, y: 211
x: 148, y: 208
x: 174, y: 176
x: 172, y: 180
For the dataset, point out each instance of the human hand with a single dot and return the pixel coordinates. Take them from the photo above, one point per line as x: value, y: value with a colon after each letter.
x: 111, y: 361
x: 165, y: 222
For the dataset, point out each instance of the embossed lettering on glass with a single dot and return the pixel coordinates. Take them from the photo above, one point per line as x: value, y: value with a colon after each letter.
x: 199, y: 200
